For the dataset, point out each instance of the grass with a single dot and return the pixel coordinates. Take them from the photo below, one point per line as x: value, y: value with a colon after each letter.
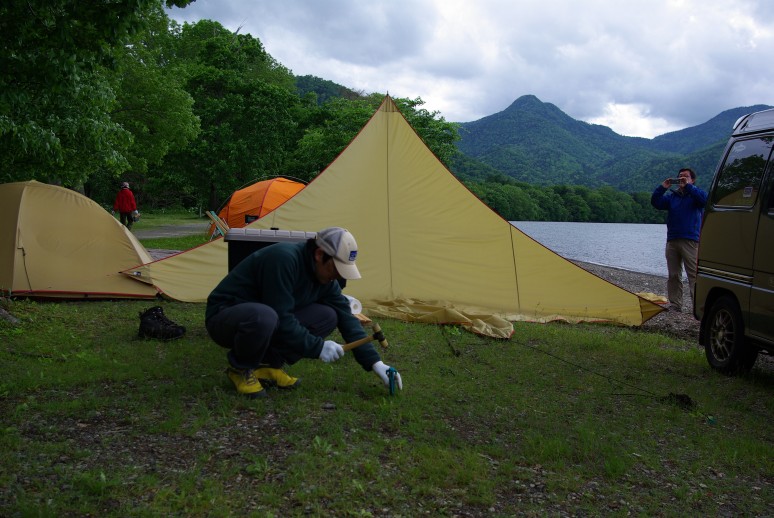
x: 160, y: 217
x: 560, y: 419
x: 175, y: 243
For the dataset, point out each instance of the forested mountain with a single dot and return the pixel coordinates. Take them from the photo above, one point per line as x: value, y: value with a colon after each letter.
x: 701, y: 137
x: 324, y: 90
x: 537, y: 143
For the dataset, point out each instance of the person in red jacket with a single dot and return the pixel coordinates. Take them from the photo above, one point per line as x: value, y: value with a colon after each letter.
x: 125, y: 205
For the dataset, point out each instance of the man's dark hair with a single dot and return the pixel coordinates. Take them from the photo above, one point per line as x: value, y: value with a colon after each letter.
x: 690, y: 171
x: 311, y: 243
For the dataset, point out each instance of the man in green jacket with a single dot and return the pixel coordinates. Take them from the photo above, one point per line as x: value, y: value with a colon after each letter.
x: 277, y: 306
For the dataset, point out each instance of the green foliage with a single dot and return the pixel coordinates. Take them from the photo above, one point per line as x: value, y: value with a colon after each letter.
x: 438, y: 134
x: 151, y: 102
x: 323, y: 90
x: 152, y: 105
x: 55, y: 87
x: 519, y: 201
x: 247, y: 111
x: 328, y: 129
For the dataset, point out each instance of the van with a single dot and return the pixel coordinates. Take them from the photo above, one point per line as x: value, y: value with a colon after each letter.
x: 734, y: 290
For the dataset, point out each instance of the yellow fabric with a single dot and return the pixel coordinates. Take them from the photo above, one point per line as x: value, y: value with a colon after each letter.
x: 658, y: 299
x: 55, y: 242
x: 428, y: 249
x: 188, y: 276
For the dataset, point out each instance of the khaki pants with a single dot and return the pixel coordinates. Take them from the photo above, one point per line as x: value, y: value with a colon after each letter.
x: 680, y: 253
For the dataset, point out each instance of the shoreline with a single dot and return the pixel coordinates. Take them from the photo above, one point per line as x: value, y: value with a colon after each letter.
x: 599, y: 265
x: 630, y: 280
x: 678, y: 324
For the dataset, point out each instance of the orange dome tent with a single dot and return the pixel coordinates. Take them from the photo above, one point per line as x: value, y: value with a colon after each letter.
x: 256, y: 200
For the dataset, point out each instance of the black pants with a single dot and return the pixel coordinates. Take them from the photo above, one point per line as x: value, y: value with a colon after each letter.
x: 126, y: 219
x: 247, y: 330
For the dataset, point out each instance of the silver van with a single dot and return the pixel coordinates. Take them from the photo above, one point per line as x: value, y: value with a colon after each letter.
x: 734, y: 292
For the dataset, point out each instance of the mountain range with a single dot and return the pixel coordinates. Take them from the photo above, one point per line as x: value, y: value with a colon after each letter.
x: 537, y: 143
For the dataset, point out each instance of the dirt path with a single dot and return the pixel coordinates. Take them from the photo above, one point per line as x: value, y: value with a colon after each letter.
x: 187, y: 229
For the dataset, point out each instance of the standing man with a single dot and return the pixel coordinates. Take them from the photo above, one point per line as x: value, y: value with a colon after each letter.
x: 685, y: 206
x: 125, y: 205
x: 278, y: 305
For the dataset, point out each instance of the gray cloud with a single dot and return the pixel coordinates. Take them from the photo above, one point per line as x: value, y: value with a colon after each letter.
x: 641, y: 67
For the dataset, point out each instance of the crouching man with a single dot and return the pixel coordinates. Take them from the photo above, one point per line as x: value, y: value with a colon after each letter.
x: 280, y: 303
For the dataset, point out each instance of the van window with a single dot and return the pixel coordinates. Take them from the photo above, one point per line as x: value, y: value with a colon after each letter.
x: 739, y: 180
x: 771, y: 197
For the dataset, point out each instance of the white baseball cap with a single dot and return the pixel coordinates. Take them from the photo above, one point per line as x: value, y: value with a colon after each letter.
x: 338, y: 243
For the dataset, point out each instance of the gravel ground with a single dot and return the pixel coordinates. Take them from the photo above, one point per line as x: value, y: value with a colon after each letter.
x: 679, y: 324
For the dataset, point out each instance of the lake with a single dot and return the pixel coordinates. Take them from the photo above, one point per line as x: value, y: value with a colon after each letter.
x: 631, y: 246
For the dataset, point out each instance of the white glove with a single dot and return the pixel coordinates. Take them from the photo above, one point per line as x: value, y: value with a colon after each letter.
x: 381, y: 370
x: 331, y: 351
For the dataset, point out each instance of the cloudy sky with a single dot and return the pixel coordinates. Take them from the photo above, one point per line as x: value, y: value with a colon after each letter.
x: 641, y: 67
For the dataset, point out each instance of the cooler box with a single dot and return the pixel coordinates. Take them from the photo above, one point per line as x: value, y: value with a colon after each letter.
x: 244, y: 241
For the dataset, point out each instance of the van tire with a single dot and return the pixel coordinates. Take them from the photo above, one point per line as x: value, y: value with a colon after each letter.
x: 725, y: 345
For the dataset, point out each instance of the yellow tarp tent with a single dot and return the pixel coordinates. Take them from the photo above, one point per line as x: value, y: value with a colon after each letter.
x: 188, y: 276
x: 429, y: 249
x: 55, y: 242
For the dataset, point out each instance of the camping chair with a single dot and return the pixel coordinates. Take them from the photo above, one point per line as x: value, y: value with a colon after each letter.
x: 221, y: 227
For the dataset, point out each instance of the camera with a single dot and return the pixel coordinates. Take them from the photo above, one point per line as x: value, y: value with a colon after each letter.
x: 674, y: 181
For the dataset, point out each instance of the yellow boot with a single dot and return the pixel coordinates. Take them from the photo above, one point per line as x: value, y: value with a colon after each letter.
x: 246, y: 382
x: 276, y: 377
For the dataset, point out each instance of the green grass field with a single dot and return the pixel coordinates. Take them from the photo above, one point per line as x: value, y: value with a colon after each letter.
x: 558, y: 420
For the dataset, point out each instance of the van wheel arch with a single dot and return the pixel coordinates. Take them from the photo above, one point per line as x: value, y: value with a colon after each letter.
x: 722, y: 334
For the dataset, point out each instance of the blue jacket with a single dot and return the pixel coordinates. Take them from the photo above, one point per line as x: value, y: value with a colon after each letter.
x: 685, y: 210
x: 282, y: 277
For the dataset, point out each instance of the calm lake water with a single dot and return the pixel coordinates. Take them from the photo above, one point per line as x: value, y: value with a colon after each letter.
x: 636, y: 247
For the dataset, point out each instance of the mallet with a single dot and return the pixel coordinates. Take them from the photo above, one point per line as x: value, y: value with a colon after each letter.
x: 378, y: 336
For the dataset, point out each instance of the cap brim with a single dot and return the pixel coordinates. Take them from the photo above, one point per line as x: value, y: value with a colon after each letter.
x: 346, y: 270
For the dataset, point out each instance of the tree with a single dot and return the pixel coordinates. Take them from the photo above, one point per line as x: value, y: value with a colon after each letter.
x: 55, y: 91
x: 329, y: 128
x: 247, y: 109
x: 438, y: 134
x: 151, y: 104
x: 577, y: 207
